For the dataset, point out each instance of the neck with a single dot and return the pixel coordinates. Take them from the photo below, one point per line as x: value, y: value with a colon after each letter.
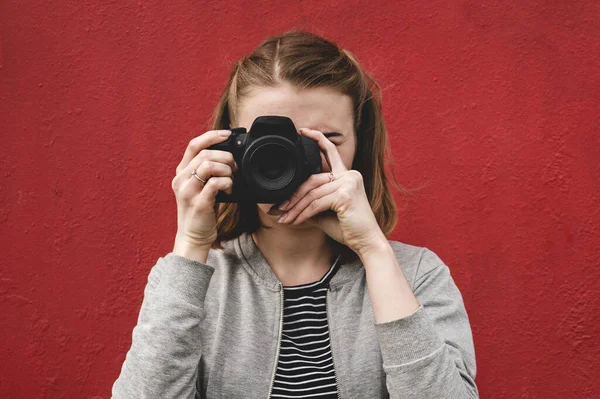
x: 296, y: 255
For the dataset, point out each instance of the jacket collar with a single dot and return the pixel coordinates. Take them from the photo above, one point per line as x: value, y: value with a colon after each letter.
x: 253, y: 260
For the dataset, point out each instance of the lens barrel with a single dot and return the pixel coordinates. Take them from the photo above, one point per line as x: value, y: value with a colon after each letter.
x: 273, y: 163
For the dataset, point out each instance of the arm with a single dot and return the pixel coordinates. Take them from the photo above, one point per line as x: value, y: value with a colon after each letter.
x: 166, y: 348
x: 425, y: 337
x: 423, y: 331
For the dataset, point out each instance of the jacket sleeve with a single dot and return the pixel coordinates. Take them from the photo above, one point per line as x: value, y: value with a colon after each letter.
x: 430, y: 354
x: 166, y: 349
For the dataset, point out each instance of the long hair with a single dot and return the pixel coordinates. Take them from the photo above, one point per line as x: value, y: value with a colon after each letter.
x: 308, y: 61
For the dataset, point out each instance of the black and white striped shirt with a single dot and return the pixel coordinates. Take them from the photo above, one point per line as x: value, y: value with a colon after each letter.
x: 305, y: 366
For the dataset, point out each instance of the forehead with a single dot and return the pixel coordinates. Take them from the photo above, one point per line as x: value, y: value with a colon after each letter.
x: 319, y: 108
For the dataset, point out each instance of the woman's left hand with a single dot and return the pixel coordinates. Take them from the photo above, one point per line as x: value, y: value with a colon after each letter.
x: 336, y: 202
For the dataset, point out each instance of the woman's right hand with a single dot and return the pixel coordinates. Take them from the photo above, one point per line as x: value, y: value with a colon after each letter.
x: 196, y: 218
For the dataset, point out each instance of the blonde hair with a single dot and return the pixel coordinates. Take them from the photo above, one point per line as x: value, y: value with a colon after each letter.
x: 307, y: 61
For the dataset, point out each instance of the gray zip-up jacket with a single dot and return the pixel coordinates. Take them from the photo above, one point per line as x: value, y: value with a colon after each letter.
x: 212, y: 331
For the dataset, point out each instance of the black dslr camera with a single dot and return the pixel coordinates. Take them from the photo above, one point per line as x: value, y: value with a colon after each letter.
x: 273, y: 161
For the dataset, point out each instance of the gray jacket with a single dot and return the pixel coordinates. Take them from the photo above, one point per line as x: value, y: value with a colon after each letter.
x: 212, y: 331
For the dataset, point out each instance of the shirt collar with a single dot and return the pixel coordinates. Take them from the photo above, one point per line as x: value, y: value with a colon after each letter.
x: 253, y: 260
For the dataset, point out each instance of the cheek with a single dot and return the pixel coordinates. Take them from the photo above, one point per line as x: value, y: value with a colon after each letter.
x: 346, y: 152
x: 324, y: 165
x: 350, y: 152
x: 347, y: 155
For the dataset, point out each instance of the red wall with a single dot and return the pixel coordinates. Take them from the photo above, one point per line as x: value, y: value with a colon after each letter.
x: 494, y: 107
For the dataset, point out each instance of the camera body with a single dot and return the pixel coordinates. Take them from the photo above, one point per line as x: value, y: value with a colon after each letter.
x: 273, y: 161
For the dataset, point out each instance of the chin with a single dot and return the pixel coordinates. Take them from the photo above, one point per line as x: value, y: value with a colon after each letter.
x: 301, y: 226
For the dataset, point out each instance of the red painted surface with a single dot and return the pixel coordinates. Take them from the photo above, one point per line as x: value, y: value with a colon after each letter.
x: 495, y: 105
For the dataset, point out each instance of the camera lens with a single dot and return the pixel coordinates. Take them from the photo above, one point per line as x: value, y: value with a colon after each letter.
x: 273, y: 165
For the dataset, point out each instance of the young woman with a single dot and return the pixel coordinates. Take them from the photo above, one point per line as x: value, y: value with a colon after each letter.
x: 305, y: 299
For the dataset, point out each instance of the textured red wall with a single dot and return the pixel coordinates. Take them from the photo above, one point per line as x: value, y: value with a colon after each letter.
x: 493, y: 105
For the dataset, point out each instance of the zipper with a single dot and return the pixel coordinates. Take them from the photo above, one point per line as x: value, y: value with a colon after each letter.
x: 278, y: 340
x: 337, y: 385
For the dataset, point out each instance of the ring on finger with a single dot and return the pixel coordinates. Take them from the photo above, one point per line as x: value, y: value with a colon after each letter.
x: 198, y: 177
x: 331, y: 177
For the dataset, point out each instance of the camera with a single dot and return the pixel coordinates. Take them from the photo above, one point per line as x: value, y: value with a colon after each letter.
x: 273, y: 161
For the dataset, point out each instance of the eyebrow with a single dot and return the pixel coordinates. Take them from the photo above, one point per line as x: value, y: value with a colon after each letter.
x: 332, y: 134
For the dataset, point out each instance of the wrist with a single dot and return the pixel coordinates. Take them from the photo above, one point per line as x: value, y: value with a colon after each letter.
x: 196, y: 252
x: 376, y: 247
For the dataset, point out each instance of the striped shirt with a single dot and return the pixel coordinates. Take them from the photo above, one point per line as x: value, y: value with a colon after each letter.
x: 305, y: 366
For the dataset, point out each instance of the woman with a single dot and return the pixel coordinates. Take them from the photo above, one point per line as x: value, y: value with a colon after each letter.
x: 307, y: 298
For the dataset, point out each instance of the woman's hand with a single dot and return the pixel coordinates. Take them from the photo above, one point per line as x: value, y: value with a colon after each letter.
x: 195, y: 195
x: 336, y: 202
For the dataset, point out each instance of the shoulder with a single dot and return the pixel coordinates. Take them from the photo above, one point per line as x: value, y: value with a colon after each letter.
x: 235, y: 262
x: 225, y: 254
x: 416, y: 262
x: 225, y: 258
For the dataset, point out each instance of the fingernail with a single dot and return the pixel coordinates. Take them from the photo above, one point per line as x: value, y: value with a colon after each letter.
x: 284, y: 205
x: 235, y: 167
x: 225, y: 133
x: 282, y: 218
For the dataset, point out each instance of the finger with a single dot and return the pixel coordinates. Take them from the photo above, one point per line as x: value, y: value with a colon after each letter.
x: 332, y: 156
x: 192, y: 189
x: 312, y: 199
x: 216, y: 156
x: 321, y: 205
x: 311, y: 183
x: 213, y: 186
x: 223, y: 157
x: 208, y: 169
x: 201, y: 142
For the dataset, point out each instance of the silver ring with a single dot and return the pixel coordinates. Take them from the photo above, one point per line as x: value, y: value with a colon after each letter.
x: 198, y: 177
